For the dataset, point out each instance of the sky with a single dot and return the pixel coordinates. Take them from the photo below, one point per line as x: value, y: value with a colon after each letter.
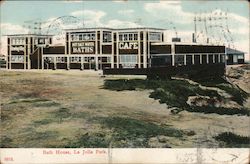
x: 229, y: 23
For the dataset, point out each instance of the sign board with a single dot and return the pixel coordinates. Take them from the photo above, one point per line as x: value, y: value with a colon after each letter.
x: 17, y: 58
x: 83, y: 47
x: 128, y: 47
x: 17, y: 48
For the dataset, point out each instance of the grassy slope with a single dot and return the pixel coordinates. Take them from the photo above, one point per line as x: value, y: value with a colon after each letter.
x: 175, y: 93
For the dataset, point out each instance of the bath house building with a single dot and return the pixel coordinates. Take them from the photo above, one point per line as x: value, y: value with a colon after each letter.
x: 99, y: 48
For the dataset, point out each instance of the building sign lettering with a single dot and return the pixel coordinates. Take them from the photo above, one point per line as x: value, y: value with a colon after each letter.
x: 83, y: 48
x: 17, y: 48
x: 128, y: 45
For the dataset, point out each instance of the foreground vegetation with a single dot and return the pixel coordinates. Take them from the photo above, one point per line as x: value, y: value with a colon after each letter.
x: 229, y: 139
x: 67, y: 109
x: 175, y: 93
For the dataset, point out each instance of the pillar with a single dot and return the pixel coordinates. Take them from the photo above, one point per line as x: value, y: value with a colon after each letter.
x: 117, y: 50
x: 145, y: 57
x: 201, y: 59
x: 173, y: 53
x: 112, y: 51
x: 185, y: 59
x: 192, y: 58
x: 68, y: 67
x: 82, y: 65
x: 139, y: 50
x: 54, y: 62
x: 42, y: 60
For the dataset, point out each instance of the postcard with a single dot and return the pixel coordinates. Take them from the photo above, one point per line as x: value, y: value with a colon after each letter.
x: 124, y: 81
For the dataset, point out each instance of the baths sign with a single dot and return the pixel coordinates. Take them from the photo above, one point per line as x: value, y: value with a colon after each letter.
x: 83, y: 47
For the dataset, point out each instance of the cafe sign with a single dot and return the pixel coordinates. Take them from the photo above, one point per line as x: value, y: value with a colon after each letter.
x: 128, y: 45
x: 83, y: 47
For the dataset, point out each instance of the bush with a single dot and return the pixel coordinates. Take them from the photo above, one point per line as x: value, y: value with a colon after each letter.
x: 233, y: 140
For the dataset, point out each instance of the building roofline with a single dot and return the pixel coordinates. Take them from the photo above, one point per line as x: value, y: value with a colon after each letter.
x: 234, y: 51
x: 116, y: 29
x: 27, y: 35
x: 183, y: 43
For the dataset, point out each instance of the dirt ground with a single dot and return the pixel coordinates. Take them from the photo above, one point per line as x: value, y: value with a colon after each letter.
x: 35, y: 107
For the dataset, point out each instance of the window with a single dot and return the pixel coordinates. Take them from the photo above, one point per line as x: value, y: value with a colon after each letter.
x: 107, y: 37
x: 130, y: 37
x: 204, y: 59
x: 120, y: 37
x: 210, y: 58
x: 128, y: 61
x: 108, y: 59
x: 179, y: 59
x: 75, y: 59
x: 82, y: 36
x: 125, y: 37
x: 196, y: 59
x: 18, y: 41
x: 222, y: 58
x: 216, y: 58
x: 155, y: 36
x: 241, y: 56
x: 189, y: 60
x: 135, y: 36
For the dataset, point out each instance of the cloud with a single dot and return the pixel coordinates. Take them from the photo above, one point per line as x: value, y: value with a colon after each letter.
x: 72, y: 1
x: 8, y: 28
x: 90, y: 17
x: 89, y: 14
x: 115, y: 23
x: 120, y: 1
x: 126, y: 12
x: 169, y: 9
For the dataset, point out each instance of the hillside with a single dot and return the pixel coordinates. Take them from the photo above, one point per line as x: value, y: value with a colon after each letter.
x: 83, y: 109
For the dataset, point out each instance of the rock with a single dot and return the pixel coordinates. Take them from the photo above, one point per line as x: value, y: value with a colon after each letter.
x: 175, y: 110
x: 190, y: 133
x: 162, y: 138
x: 154, y: 142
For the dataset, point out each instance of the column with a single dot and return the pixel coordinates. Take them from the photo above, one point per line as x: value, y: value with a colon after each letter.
x: 112, y: 51
x: 10, y: 54
x: 192, y: 58
x: 101, y: 41
x: 25, y: 52
x: 54, y: 62
x: 213, y: 58
x: 139, y: 50
x: 145, y: 57
x: 96, y: 50
x: 201, y: 59
x: 173, y: 53
x: 68, y: 67
x: 29, y: 43
x: 96, y: 62
x: 42, y: 60
x: 218, y: 58
x: 117, y: 50
x: 207, y: 59
x: 185, y: 59
x: 82, y: 65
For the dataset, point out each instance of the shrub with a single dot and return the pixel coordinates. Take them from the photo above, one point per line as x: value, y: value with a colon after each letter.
x: 233, y: 140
